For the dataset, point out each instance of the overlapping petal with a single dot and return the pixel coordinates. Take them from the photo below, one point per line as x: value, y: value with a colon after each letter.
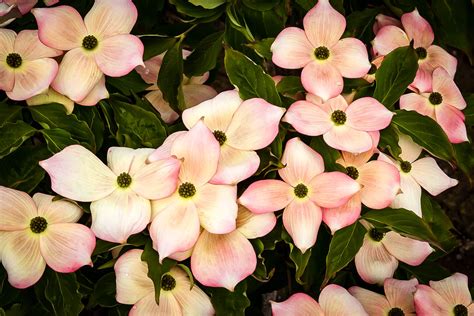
x: 60, y: 211
x: 322, y: 79
x: 368, y: 114
x: 332, y: 189
x: 300, y: 302
x: 254, y: 225
x: 410, y: 251
x: 235, y: 165
x: 418, y: 29
x: 373, y: 303
x: 342, y: 216
x: 308, y: 118
x: 335, y: 300
x: 267, y: 196
x: 350, y: 58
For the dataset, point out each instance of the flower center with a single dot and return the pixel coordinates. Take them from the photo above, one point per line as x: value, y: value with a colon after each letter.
x: 220, y: 136
x: 352, y: 172
x: 90, y: 42
x: 435, y: 98
x: 460, y: 310
x: 372, y: 69
x: 338, y: 117
x: 321, y: 53
x: 186, y: 190
x: 396, y: 312
x: 38, y: 224
x: 405, y: 166
x: 167, y: 282
x: 301, y: 190
x: 375, y: 234
x: 421, y: 52
x: 14, y: 60
x: 124, y: 180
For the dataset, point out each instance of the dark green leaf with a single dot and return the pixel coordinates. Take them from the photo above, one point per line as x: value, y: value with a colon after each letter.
x: 91, y: 115
x: 329, y: 154
x: 205, y: 55
x: 464, y: 153
x: 9, y: 113
x: 359, y: 24
x: 207, y: 4
x: 170, y: 77
x: 13, y: 135
x: 57, y: 139
x: 469, y: 111
x: 261, y: 5
x: 185, y: 7
x: 155, y: 45
x: 389, y: 141
x: 300, y: 260
x: 262, y: 48
x: 265, y: 24
x: 427, y: 271
x: 128, y: 84
x: 104, y: 291
x: 290, y: 85
x: 227, y: 303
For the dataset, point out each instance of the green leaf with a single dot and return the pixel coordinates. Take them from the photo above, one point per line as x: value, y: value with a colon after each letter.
x: 469, y: 110
x: 300, y: 260
x: 208, y: 4
x: 128, y: 84
x: 13, y: 135
x: 227, y: 303
x: 261, y: 5
x: 389, y: 141
x: 464, y: 153
x: 9, y: 113
x: 397, y: 71
x: 425, y: 132
x: 156, y: 44
x: 91, y: 115
x: 329, y: 154
x: 262, y: 48
x: 57, y: 139
x: 427, y: 271
x: 205, y: 55
x: 290, y: 85
x: 250, y: 78
x: 185, y: 7
x: 359, y: 24
x: 170, y: 77
x: 344, y: 245
x: 104, y: 291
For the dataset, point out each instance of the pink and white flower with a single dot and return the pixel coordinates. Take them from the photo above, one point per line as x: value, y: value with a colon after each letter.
x: 344, y: 127
x: 416, y: 174
x: 304, y: 190
x: 320, y: 51
x: 379, y: 181
x: 177, y: 295
x: 449, y: 296
x: 38, y: 231
x: 100, y: 44
x: 241, y: 127
x: 398, y: 299
x: 120, y: 194
x: 440, y: 99
x: 333, y: 300
x: 27, y: 67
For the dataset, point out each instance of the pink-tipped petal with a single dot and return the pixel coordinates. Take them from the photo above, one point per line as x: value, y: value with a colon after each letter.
x: 59, y: 211
x: 350, y: 58
x: 28, y: 45
x: 452, y: 122
x: 235, y: 165
x: 342, y: 216
x: 428, y: 302
x: 346, y: 138
x: 267, y: 196
x: 410, y: 251
x: 164, y: 151
x: 410, y: 196
x: 157, y: 180
x: 297, y: 304
x: 60, y: 27
x: 308, y: 118
x: 302, y: 220
x: 301, y: 162
x: 382, y: 20
x: 444, y: 84
x: 375, y: 304
x: 423, y: 79
x: 368, y: 114
x: 388, y: 38
x: 98, y: 92
x: 453, y: 289
x: 438, y: 57
x: 24, y: 6
x: 197, y: 93
x: 147, y: 305
x: 400, y: 293
x: 168, y: 115
x: 410, y: 150
x: 336, y: 300
x: 332, y: 189
x: 380, y: 183
x: 76, y: 173
x: 217, y: 207
x: 16, y: 209
x: 324, y: 25
x: 8, y: 78
x: 253, y: 225
x: 431, y: 178
x: 149, y: 72
x: 418, y: 103
x: 111, y: 17
x: 291, y: 49
x: 322, y: 79
x: 418, y: 29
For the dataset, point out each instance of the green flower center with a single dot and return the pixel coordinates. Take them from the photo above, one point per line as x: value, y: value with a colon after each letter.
x: 372, y: 69
x: 460, y: 310
x: 220, y: 136
x: 186, y: 190
x: 352, y: 172
x: 375, y: 234
x: 405, y: 166
x: 338, y: 117
x: 321, y: 53
x: 124, y: 180
x: 435, y: 98
x: 90, y: 42
x: 14, y: 60
x: 421, y: 52
x: 167, y: 282
x: 38, y: 224
x: 301, y: 190
x: 396, y: 312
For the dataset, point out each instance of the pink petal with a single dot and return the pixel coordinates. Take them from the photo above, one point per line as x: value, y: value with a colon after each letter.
x: 28, y: 45
x: 132, y: 280
x: 302, y: 220
x: 267, y: 196
x: 8, y: 77
x: 452, y: 122
x: 418, y: 103
x: 444, y: 84
x: 7, y: 41
x: 149, y: 72
x: 410, y: 251
x: 59, y: 211
x: 431, y: 178
x: 120, y: 215
x: 374, y: 263
x: 24, y: 6
x: 175, y: 229
x: 423, y: 80
x: 355, y: 160
x: 129, y: 160
x: 400, y: 293
x: 16, y: 209
x: 222, y: 260
x: 60, y: 27
x: 98, y: 92
x: 428, y: 302
x: 382, y: 20
x: 111, y: 17
x: 368, y: 114
x: 438, y: 57
x: 418, y: 29
x: 197, y: 93
x: 335, y: 300
x: 410, y: 198
x: 410, y: 150
x: 22, y: 259
x: 303, y: 303
x: 324, y: 25
x: 346, y: 138
x: 254, y: 124
x: 253, y: 225
x: 217, y: 207
x: 147, y: 305
x: 291, y: 49
x: 308, y: 118
x: 235, y: 165
x: 342, y: 216
x: 168, y: 115
x: 77, y: 76
x: 388, y: 38
x: 157, y: 206
x: 50, y: 2
x: 373, y: 303
x: 453, y: 289
x: 380, y: 183
x: 198, y: 166
x: 350, y: 58
x: 78, y: 174
x: 164, y: 151
x: 332, y: 189
x: 301, y: 162
x: 322, y: 79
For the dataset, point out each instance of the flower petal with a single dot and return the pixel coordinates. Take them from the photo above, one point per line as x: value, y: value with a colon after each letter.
x: 129, y: 160
x: 291, y: 49
x: 380, y: 184
x: 59, y: 211
x: 418, y: 103
x: 7, y: 42
x: 373, y: 303
x: 350, y: 58
x: 157, y: 180
x: 431, y: 178
x: 16, y: 209
x: 147, y: 306
x: 322, y: 79
x: 355, y: 160
x: 388, y: 38
x: 452, y: 122
x: 346, y: 138
x: 418, y: 29
x: 164, y: 151
x: 308, y: 118
x: 98, y: 92
x: 410, y: 150
x: 400, y: 293
x: 410, y: 197
x: 168, y: 115
x: 302, y: 220
x: 235, y: 165
x: 28, y: 45
x: 335, y: 300
x: 267, y: 196
x: 423, y: 79
x: 410, y: 251
x: 444, y: 84
x: 111, y: 17
x: 428, y: 302
x: 301, y: 302
x: 342, y: 216
x: 453, y: 289
x: 149, y: 72
x: 332, y: 189
x: 382, y: 20
x: 438, y: 57
x: 253, y: 225
x: 51, y: 96
x: 368, y: 114
x: 197, y: 93
x: 324, y: 25
x: 8, y: 78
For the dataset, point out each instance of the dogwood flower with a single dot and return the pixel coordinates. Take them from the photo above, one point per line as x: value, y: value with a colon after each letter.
x: 99, y: 44
x: 177, y: 296
x: 333, y: 300
x: 344, y: 127
x: 398, y: 299
x: 120, y: 194
x: 38, y: 231
x: 24, y: 6
x: 416, y: 174
x: 26, y: 66
x: 449, y: 296
x: 441, y: 100
x: 194, y: 89
x: 304, y: 190
x: 240, y: 127
x: 178, y: 218
x: 379, y: 181
x: 320, y: 51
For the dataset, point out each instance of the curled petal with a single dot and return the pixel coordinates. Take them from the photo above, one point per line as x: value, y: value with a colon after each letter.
x: 350, y: 58
x: 164, y: 151
x: 322, y: 79
x: 168, y: 115
x: 380, y: 184
x: 410, y: 150
x: 98, y: 92
x: 235, y: 165
x: 342, y: 216
x: 335, y: 300
x: 267, y: 196
x: 147, y: 305
x: 254, y: 225
x: 388, y: 38
x: 51, y: 96
x: 192, y: 300
x: 418, y: 103
x: 308, y: 118
x: 410, y: 251
x: 302, y: 220
x: 400, y: 293
x: 348, y: 139
x: 28, y: 45
x: 453, y: 289
x: 444, y: 84
x: 291, y: 49
x: 373, y: 303
x: 431, y: 178
x: 60, y: 211
x: 303, y: 303
x: 324, y: 25
x: 452, y: 122
x: 418, y: 29
x: 368, y: 114
x: 428, y: 302
x: 332, y: 189
x: 111, y: 17
x: 16, y: 209
x: 410, y: 197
